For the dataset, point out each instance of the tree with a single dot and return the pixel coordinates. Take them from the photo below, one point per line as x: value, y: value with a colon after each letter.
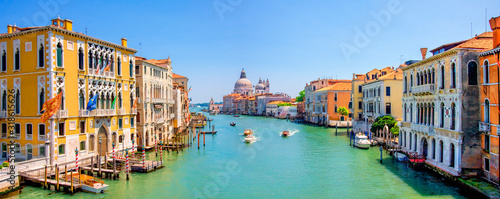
x: 284, y: 104
x: 343, y: 111
x: 381, y: 121
x: 302, y: 95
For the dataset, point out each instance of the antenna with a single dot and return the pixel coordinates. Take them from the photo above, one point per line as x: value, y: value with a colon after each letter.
x: 140, y: 49
x: 85, y: 30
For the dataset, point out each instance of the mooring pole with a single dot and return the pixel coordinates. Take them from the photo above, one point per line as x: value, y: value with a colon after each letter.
x: 57, y: 178
x: 126, y: 163
x: 45, y: 184
x: 203, y: 138
x: 380, y: 153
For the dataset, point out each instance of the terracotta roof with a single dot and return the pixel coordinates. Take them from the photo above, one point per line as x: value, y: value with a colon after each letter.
x: 232, y: 95
x: 337, y: 87
x: 398, y: 75
x: 176, y: 76
x: 482, y: 41
x: 275, y: 102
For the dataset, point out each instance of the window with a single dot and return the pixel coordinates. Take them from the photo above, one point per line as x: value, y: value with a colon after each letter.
x: 131, y: 101
x: 131, y: 68
x: 472, y: 69
x: 4, y: 150
x: 59, y: 55
x: 17, y: 148
x: 335, y: 108
x: 82, y: 146
x: 119, y: 66
x: 131, y: 122
x: 17, y: 131
x: 18, y: 102
x: 62, y: 148
x: 61, y: 129
x: 81, y: 101
x: 4, y: 130
x: 433, y: 148
x: 486, y: 111
x: 4, y: 101
x: 360, y: 105
x: 442, y: 77
x: 360, y: 89
x: 145, y: 70
x: 17, y: 60
x: 486, y: 164
x: 29, y: 131
x: 29, y: 151
x: 81, y: 56
x: 441, y: 123
x: 120, y: 139
x: 388, y: 108
x: 92, y: 142
x: 387, y: 91
x: 4, y: 61
x: 120, y: 123
x: 41, y: 56
x: 452, y: 155
x: 486, y: 72
x: 41, y: 131
x: 82, y: 127
x: 441, y: 151
x: 41, y: 151
x: 487, y: 142
x: 91, y: 59
x: 41, y: 100
x: 453, y: 116
x: 335, y: 96
x: 453, y: 76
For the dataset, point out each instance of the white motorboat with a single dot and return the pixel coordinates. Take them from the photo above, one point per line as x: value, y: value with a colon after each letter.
x: 400, y: 157
x: 247, y: 132
x: 361, y: 141
x: 89, y: 183
x: 249, y: 138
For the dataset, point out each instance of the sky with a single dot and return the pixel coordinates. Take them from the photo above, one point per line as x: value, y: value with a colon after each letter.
x: 289, y: 42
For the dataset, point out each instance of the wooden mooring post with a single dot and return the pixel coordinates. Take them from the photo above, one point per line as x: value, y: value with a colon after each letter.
x: 92, y: 166
x: 70, y: 179
x: 45, y: 184
x: 57, y: 178
x: 114, y: 169
x: 203, y: 138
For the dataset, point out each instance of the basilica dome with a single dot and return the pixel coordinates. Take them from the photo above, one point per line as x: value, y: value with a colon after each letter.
x: 243, y: 85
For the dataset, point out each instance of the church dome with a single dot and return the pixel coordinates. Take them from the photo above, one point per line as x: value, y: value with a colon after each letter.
x: 243, y: 85
x: 260, y: 86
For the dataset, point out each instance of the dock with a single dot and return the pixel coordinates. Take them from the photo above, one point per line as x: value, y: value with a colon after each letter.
x: 149, y: 166
x: 209, y: 132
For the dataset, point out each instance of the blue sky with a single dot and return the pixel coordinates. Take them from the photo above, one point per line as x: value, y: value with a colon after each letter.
x: 288, y: 42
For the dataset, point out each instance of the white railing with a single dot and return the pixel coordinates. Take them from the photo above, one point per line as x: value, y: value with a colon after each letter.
x: 121, y: 111
x: 133, y: 111
x: 91, y: 71
x: 62, y: 114
x: 42, y: 137
x: 170, y: 101
x: 3, y: 114
x: 83, y: 113
x: 423, y: 128
x: 29, y: 136
x: 426, y: 88
x: 484, y: 127
x: 159, y: 100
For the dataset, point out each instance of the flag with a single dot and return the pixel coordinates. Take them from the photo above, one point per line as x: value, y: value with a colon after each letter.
x: 107, y: 68
x: 51, y: 107
x: 92, y: 103
x: 190, y: 89
x: 113, y: 103
x: 97, y: 71
x: 135, y: 103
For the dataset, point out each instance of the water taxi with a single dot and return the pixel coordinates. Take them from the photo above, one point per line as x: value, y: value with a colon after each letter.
x: 249, y: 138
x: 285, y: 133
x: 361, y: 141
x: 247, y: 132
x: 89, y: 183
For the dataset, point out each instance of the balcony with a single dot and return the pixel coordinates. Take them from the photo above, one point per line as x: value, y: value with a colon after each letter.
x: 3, y: 114
x: 42, y: 137
x: 29, y: 136
x: 159, y: 100
x: 423, y: 89
x: 110, y: 74
x: 62, y: 114
x: 170, y: 101
x: 484, y: 127
x: 133, y: 111
x: 423, y: 128
x: 121, y: 111
x: 83, y: 113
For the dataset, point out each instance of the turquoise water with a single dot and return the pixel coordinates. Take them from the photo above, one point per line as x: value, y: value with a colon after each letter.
x: 312, y: 163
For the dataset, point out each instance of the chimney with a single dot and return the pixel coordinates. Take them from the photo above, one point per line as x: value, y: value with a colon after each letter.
x: 124, y: 42
x: 424, y: 52
x: 68, y: 24
x: 9, y: 29
x: 495, y: 26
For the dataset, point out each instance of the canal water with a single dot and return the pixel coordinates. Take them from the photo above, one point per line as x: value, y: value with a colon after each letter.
x: 311, y: 163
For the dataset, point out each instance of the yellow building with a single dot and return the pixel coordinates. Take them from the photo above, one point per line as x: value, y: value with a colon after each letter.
x: 39, y: 62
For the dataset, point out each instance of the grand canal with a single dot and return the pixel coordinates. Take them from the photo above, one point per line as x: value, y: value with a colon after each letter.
x: 312, y: 163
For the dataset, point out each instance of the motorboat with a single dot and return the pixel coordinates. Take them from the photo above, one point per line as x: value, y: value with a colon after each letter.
x: 232, y: 124
x: 236, y: 115
x: 285, y: 133
x: 361, y: 141
x: 401, y: 157
x: 247, y: 132
x: 249, y: 138
x: 89, y: 183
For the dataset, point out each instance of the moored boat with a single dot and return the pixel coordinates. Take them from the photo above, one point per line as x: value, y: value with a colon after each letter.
x: 236, y: 115
x: 285, y: 133
x: 361, y: 141
x: 401, y: 157
x: 89, y: 183
x: 247, y: 132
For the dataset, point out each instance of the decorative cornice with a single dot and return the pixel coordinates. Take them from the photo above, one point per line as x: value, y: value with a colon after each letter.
x: 71, y: 33
x: 489, y: 52
x: 430, y: 59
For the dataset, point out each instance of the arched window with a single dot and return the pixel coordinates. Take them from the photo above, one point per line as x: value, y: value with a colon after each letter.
x: 441, y: 123
x: 131, y: 100
x: 441, y: 151
x: 452, y: 155
x: 18, y: 102
x: 59, y: 55
x: 131, y: 68
x: 62, y: 99
x: 17, y: 60
x: 433, y: 76
x: 433, y: 148
x: 91, y: 59
x: 411, y: 81
x: 425, y: 77
x: 81, y: 100
x: 81, y: 56
x: 411, y: 113
x: 453, y: 76
x: 29, y: 151
x: 442, y: 77
x: 418, y: 79
x: 41, y: 56
x: 4, y: 61
x: 4, y: 101
x: 336, y: 108
x: 41, y: 100
x: 112, y: 67
x: 405, y: 84
x: 120, y: 100
x: 487, y: 111
x: 410, y: 140
x: 472, y: 69
x: 415, y: 141
x: 453, y: 116
x: 102, y: 101
x: 486, y: 72
x: 119, y: 66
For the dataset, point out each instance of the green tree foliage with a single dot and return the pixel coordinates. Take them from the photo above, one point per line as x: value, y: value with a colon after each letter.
x: 301, y: 96
x: 381, y: 121
x: 284, y: 104
x: 343, y: 111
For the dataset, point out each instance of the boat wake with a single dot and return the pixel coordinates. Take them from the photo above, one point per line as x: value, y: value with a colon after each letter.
x: 291, y: 132
x: 252, y: 141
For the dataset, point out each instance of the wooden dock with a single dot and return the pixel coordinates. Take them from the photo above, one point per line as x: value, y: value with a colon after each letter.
x: 209, y: 132
x: 149, y: 166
